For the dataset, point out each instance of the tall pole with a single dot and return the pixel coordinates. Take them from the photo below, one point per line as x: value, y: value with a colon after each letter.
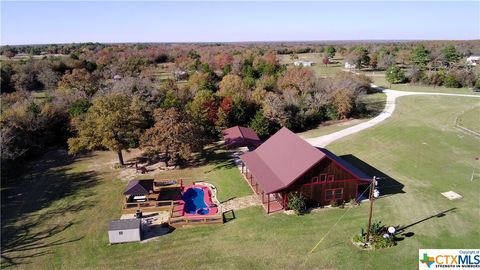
x: 372, y: 186
x: 473, y: 172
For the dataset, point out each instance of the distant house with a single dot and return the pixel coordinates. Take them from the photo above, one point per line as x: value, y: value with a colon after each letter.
x: 124, y: 231
x: 350, y: 66
x: 473, y: 60
x: 180, y: 75
x: 303, y: 63
x: 286, y: 163
x: 117, y: 77
x: 240, y: 137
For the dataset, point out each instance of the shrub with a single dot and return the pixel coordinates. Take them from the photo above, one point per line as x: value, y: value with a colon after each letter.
x: 331, y: 112
x: 477, y: 84
x: 380, y: 242
x: 394, y: 74
x: 353, y: 201
x: 451, y: 81
x: 358, y: 238
x: 296, y: 202
x: 436, y: 78
x: 376, y: 227
x: 376, y: 237
x: 465, y: 77
x: 415, y: 75
x: 334, y: 203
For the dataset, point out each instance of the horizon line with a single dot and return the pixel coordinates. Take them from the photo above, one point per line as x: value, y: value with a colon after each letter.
x: 233, y: 42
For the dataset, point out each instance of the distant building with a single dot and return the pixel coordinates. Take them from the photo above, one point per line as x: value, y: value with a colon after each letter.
x: 180, y: 75
x: 240, y: 137
x: 303, y: 63
x: 350, y: 66
x: 473, y: 60
x: 117, y: 77
x: 124, y: 231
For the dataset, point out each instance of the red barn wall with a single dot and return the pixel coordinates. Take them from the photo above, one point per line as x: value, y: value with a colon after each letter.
x: 315, y: 191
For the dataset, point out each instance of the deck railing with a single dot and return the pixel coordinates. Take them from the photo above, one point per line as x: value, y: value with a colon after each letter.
x: 183, y: 221
x: 129, y: 208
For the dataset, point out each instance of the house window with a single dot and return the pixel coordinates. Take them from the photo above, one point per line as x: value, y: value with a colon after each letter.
x: 120, y: 233
x: 329, y: 194
x: 334, y: 194
x: 330, y: 177
x: 339, y: 193
x: 323, y: 177
x: 315, y: 179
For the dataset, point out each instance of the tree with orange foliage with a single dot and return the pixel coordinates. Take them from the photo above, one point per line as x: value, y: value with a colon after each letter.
x: 343, y: 101
x: 298, y: 78
x: 79, y: 80
x: 173, y: 135
x: 232, y: 86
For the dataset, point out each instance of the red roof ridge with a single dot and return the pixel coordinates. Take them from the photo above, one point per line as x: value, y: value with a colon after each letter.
x: 241, y: 132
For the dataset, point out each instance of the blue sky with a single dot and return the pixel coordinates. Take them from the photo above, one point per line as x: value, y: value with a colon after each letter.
x: 65, y: 22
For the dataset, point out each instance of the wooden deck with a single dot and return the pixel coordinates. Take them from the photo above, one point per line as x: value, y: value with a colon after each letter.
x: 148, y: 206
x: 195, y: 220
x: 171, y: 195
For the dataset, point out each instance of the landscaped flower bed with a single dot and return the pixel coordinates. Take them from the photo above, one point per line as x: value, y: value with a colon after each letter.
x: 379, y: 237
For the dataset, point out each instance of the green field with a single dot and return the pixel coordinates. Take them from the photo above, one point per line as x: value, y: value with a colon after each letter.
x: 470, y: 119
x: 382, y: 82
x: 58, y: 215
x: 320, y: 69
x: 378, y: 77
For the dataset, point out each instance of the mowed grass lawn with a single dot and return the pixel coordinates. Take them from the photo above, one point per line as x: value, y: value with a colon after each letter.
x: 318, y: 67
x: 470, y: 119
x: 382, y: 82
x: 418, y: 146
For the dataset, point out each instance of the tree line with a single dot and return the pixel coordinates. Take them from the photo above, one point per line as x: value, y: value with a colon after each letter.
x: 100, y: 96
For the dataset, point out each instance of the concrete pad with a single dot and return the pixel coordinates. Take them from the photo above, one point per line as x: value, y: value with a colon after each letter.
x: 452, y: 195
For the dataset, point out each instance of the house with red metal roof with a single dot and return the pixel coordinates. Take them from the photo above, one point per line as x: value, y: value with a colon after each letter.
x: 286, y: 163
x: 240, y: 137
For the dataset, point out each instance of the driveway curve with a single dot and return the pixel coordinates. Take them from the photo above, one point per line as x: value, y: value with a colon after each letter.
x: 392, y: 96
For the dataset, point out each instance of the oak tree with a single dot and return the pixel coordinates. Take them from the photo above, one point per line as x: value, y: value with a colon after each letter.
x: 114, y: 122
x: 173, y: 135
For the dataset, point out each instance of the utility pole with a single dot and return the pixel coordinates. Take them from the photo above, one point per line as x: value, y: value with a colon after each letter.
x: 473, y: 172
x: 372, y: 187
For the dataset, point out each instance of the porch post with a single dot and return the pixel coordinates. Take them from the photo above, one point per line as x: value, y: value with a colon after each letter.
x: 268, y: 203
x: 356, y: 191
x: 285, y: 200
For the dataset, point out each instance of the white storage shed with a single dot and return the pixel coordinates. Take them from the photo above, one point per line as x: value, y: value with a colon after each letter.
x: 124, y: 231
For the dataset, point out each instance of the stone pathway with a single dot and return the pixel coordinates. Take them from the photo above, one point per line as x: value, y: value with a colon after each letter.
x: 240, y: 203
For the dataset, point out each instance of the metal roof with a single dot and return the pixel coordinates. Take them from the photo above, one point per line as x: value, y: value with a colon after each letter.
x: 284, y: 157
x: 135, y: 187
x: 280, y: 160
x: 240, y: 136
x: 124, y: 224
